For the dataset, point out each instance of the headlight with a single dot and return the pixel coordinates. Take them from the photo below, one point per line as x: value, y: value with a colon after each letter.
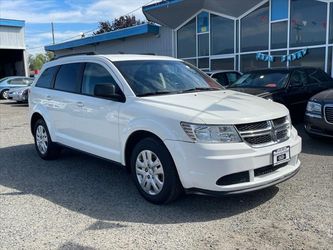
x: 211, y: 133
x: 314, y: 108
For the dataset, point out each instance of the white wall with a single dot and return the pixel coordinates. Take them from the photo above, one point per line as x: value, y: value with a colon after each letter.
x: 11, y: 38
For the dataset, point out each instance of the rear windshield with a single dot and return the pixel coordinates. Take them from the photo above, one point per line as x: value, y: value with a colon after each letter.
x: 262, y: 80
x: 153, y: 77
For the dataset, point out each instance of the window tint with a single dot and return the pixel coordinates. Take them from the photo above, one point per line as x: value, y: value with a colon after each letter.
x: 16, y: 81
x: 68, y: 77
x: 318, y: 76
x: 263, y: 79
x: 298, y: 76
x: 95, y: 74
x: 47, y: 77
x: 221, y: 78
x: 232, y: 77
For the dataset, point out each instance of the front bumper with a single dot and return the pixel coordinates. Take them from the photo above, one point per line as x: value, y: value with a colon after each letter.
x: 200, y: 166
x: 318, y: 126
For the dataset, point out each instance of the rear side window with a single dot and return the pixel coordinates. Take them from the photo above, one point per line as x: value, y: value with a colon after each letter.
x: 221, y: 79
x: 47, y: 77
x: 232, y: 77
x: 318, y: 76
x: 95, y: 74
x: 68, y: 78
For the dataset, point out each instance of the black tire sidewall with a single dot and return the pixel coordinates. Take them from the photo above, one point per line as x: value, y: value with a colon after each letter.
x: 171, y: 179
x: 2, y: 94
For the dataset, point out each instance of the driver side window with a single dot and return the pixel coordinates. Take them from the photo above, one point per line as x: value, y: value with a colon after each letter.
x: 95, y: 74
x: 298, y: 78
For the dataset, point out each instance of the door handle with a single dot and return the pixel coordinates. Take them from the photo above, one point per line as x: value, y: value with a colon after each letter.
x: 80, y: 104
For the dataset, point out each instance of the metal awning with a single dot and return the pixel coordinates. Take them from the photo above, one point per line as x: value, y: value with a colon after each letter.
x: 173, y: 13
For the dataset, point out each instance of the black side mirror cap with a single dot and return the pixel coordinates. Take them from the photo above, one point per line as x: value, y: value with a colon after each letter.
x: 108, y: 91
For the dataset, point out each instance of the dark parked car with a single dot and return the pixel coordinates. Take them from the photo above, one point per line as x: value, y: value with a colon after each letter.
x: 292, y: 87
x: 225, y: 77
x: 319, y: 114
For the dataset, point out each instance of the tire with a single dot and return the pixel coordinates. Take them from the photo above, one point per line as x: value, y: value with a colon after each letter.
x: 158, y: 184
x: 4, y: 94
x: 46, y: 149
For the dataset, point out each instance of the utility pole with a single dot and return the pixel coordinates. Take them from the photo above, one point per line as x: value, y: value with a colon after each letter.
x: 52, y: 32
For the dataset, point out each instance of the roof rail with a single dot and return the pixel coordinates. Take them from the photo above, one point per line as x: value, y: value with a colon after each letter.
x: 76, y: 54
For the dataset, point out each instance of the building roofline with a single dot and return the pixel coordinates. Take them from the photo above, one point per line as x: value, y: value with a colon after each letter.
x: 159, y: 5
x: 12, y: 22
x: 109, y: 36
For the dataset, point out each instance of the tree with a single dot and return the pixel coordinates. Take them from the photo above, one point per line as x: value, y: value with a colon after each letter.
x: 37, y: 61
x: 118, y: 23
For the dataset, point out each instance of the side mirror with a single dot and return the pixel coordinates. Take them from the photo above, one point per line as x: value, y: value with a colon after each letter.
x: 108, y: 91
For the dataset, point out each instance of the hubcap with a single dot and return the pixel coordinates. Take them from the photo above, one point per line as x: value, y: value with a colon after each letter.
x: 41, y: 139
x: 149, y: 171
x: 5, y: 94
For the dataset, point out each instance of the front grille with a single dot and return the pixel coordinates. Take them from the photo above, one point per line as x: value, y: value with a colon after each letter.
x: 265, y: 133
x: 329, y: 113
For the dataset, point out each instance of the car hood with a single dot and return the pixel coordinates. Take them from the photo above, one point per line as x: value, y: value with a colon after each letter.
x: 325, y: 96
x: 262, y: 92
x: 215, y: 107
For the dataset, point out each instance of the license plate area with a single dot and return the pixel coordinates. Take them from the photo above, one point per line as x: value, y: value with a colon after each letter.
x: 281, y: 155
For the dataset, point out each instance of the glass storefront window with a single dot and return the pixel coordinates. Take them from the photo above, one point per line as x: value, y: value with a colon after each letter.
x: 277, y: 62
x: 203, y: 22
x: 222, y: 64
x: 186, y: 40
x: 203, y: 45
x: 314, y: 58
x: 308, y: 22
x: 249, y: 62
x: 279, y: 35
x: 329, y: 62
x: 222, y: 35
x: 203, y: 63
x: 191, y: 61
x: 331, y: 22
x: 254, y: 30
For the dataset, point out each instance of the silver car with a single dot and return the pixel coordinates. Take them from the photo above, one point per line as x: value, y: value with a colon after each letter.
x: 13, y: 82
x: 19, y: 94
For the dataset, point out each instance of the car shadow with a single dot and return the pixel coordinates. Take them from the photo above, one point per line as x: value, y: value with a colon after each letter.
x: 14, y: 104
x: 314, y: 146
x: 96, y: 188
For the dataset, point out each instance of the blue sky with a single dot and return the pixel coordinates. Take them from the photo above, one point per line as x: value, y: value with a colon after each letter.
x: 70, y: 17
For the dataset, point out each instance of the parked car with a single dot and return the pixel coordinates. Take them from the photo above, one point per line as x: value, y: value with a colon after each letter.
x: 12, y: 82
x: 173, y: 126
x: 292, y: 87
x: 19, y: 94
x: 319, y: 115
x: 225, y: 77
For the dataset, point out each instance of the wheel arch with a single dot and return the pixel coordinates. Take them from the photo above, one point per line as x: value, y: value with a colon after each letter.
x: 34, y: 118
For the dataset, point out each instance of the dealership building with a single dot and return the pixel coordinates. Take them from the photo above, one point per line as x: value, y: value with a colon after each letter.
x: 225, y: 34
x: 12, y: 48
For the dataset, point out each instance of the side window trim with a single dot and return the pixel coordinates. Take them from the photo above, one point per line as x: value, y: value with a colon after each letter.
x: 55, y: 76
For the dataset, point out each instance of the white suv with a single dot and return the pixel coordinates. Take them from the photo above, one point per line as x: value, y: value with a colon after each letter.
x: 171, y: 125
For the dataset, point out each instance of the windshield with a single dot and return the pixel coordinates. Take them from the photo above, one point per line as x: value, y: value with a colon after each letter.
x: 262, y: 80
x: 157, y: 77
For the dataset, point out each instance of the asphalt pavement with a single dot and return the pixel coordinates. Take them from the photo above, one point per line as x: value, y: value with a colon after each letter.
x: 82, y: 202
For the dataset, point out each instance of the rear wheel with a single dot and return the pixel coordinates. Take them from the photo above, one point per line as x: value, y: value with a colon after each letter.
x: 46, y: 149
x: 4, y: 94
x: 154, y: 172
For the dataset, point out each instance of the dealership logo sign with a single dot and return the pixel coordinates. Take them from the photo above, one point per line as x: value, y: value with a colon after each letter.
x: 282, y: 58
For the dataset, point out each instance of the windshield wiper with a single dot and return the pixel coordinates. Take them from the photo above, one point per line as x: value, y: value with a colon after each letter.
x: 200, y: 89
x: 158, y: 93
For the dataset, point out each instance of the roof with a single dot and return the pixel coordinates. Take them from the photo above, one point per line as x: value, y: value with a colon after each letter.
x: 105, y: 37
x: 12, y: 23
x: 184, y: 10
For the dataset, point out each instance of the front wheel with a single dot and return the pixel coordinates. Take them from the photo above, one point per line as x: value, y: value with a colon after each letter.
x: 154, y: 172
x: 46, y: 149
x: 4, y: 94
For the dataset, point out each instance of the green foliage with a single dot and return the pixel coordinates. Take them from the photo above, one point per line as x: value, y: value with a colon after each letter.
x: 37, y: 61
x: 118, y: 23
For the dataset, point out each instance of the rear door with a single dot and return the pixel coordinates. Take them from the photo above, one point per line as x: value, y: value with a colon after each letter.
x: 296, y: 92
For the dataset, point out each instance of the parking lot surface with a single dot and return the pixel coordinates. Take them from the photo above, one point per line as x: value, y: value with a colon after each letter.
x: 82, y: 202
